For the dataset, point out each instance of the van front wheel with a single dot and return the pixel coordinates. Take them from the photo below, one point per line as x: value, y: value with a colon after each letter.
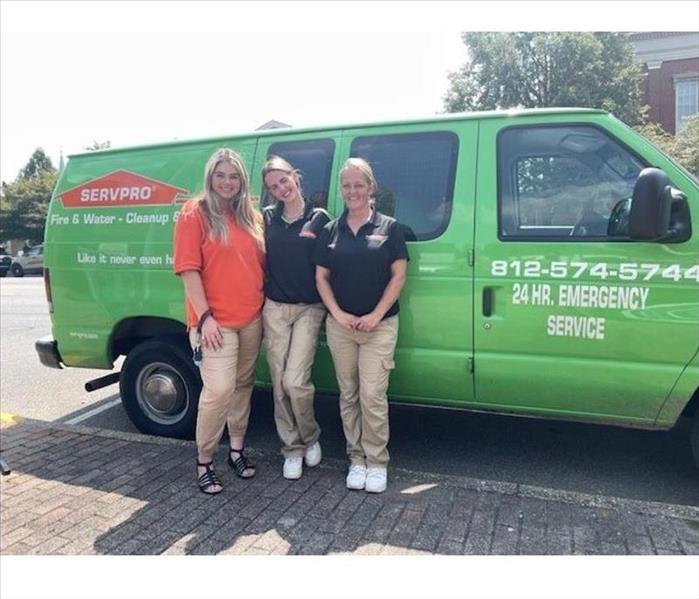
x: 160, y: 388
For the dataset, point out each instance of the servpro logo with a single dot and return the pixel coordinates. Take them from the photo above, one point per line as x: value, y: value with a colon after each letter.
x: 121, y: 188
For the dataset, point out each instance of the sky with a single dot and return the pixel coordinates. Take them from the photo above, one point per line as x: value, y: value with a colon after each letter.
x: 145, y: 72
x: 62, y: 90
x: 132, y: 88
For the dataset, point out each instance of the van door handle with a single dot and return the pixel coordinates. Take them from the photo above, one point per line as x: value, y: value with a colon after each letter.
x: 487, y: 301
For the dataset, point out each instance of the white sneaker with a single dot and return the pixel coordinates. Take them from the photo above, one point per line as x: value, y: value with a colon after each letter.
x: 293, y: 468
x: 375, y: 480
x: 356, y: 478
x: 313, y: 455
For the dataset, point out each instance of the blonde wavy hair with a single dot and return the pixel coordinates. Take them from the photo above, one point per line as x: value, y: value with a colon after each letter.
x: 242, y: 206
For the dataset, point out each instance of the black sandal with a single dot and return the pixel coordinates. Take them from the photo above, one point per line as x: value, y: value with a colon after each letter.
x: 241, y: 464
x: 208, y: 479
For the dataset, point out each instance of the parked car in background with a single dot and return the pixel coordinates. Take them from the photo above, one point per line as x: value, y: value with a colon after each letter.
x: 31, y: 261
x: 5, y: 262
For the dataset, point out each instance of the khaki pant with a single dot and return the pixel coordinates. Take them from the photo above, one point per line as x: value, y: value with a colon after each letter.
x: 291, y: 338
x: 363, y: 362
x: 228, y: 375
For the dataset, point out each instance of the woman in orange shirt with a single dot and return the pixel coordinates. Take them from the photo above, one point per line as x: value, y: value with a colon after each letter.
x: 219, y: 253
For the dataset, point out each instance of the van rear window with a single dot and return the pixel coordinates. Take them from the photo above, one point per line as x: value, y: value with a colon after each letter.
x: 415, y: 175
x: 562, y: 182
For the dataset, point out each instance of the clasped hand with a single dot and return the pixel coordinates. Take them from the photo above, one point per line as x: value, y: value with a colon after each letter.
x: 366, y: 323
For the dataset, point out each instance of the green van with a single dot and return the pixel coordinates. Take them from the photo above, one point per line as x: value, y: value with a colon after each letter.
x: 554, y: 265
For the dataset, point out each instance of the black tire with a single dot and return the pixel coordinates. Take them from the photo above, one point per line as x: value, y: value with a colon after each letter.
x: 3, y: 273
x: 17, y: 270
x: 160, y: 388
x: 694, y: 436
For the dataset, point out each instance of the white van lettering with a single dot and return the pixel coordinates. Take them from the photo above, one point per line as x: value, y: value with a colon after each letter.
x: 85, y: 258
x: 535, y: 294
x: 603, y: 296
x: 136, y: 218
x: 584, y: 327
x: 624, y: 271
x: 98, y: 219
x: 128, y: 260
x: 80, y: 335
x: 114, y: 194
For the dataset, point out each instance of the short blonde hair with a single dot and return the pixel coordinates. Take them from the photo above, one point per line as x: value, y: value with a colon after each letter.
x: 364, y: 167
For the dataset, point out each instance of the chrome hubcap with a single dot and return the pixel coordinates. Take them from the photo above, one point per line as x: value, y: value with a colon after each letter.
x: 162, y: 393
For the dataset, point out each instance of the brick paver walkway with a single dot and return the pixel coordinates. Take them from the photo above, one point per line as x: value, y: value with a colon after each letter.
x: 75, y: 490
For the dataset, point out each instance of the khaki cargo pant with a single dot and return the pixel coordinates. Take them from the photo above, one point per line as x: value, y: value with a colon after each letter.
x: 363, y: 362
x: 228, y: 375
x: 291, y: 338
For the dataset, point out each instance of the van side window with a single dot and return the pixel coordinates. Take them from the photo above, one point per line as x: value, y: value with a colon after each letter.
x: 314, y: 159
x: 562, y: 183
x: 415, y: 173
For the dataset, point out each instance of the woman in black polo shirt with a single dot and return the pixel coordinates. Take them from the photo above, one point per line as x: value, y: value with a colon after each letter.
x: 293, y: 313
x: 361, y: 261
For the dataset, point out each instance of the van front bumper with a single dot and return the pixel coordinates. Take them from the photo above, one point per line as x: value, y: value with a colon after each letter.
x: 47, y: 348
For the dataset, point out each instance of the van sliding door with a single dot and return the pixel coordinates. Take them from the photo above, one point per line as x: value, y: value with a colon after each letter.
x: 425, y: 174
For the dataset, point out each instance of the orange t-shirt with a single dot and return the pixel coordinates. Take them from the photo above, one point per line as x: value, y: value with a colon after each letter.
x: 232, y: 275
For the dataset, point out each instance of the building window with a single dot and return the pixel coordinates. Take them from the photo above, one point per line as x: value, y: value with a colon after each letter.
x: 686, y: 101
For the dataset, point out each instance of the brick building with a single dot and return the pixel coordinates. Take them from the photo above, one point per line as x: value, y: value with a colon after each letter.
x: 671, y: 84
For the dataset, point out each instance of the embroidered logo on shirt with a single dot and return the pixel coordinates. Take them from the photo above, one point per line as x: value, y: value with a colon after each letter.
x: 376, y: 240
x: 307, y: 232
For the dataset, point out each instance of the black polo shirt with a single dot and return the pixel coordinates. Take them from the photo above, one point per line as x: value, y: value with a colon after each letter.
x: 360, y: 266
x: 290, y: 271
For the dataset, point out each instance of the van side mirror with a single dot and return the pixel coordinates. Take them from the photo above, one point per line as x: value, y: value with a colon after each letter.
x: 658, y: 212
x: 649, y: 219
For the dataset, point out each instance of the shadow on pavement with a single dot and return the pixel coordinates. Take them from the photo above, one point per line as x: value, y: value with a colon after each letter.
x: 80, y: 491
x: 76, y: 490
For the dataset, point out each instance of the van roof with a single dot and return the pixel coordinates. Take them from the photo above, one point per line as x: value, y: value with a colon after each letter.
x: 488, y: 114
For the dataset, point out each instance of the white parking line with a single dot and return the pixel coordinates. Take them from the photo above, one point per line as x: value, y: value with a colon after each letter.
x: 91, y: 413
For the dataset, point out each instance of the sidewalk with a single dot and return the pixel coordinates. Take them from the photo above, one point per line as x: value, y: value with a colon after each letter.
x: 77, y: 491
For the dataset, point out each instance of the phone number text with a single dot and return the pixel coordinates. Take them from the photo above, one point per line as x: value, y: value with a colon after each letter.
x: 626, y: 271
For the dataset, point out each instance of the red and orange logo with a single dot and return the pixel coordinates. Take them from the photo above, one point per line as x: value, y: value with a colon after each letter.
x: 121, y: 188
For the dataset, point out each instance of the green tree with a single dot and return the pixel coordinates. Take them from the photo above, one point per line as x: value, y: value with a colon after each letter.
x: 541, y: 69
x: 98, y: 145
x: 38, y: 163
x: 686, y: 150
x: 683, y: 147
x: 24, y: 202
